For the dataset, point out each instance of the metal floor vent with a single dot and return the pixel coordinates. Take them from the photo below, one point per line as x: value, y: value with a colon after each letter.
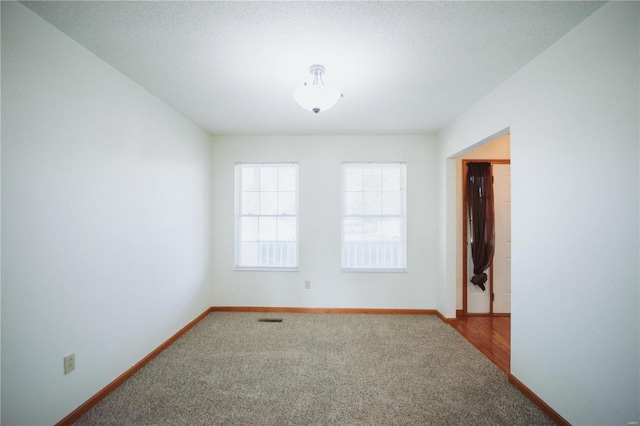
x: 270, y: 320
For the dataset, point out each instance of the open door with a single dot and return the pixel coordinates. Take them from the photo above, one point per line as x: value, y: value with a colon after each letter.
x: 501, y: 267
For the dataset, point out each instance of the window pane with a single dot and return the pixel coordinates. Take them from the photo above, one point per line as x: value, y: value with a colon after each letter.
x: 268, y: 179
x: 266, y: 216
x: 354, y: 203
x: 374, y: 222
x: 391, y: 203
x: 354, y: 179
x: 391, y: 179
x: 286, y: 179
x: 287, y: 203
x: 249, y: 229
x: 248, y: 254
x: 268, y: 203
x: 277, y: 254
x: 250, y: 176
x: 268, y: 228
x: 372, y: 203
x: 373, y: 179
x: 353, y: 229
x: 250, y: 203
x: 391, y: 229
x: 372, y: 229
x: 286, y: 229
x: 267, y: 254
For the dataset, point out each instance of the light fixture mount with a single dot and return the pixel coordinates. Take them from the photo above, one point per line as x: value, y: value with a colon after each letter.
x: 316, y: 97
x: 316, y: 69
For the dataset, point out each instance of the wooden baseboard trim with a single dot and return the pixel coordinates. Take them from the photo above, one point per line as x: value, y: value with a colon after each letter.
x: 539, y: 402
x: 445, y: 319
x: 91, y: 402
x: 95, y: 399
x: 459, y: 312
x: 334, y: 311
x: 323, y: 310
x: 480, y: 314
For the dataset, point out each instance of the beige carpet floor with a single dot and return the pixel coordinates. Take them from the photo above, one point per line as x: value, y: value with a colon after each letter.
x: 318, y: 369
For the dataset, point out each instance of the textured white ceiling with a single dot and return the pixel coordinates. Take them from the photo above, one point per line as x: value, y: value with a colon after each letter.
x: 231, y: 67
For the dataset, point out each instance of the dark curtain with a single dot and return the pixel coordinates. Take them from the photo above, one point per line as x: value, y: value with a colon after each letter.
x: 482, y: 219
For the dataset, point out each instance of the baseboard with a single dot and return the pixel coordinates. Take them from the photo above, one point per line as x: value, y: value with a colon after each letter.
x: 445, y: 319
x: 539, y: 402
x: 91, y: 402
x: 480, y: 314
x: 324, y: 310
x: 95, y: 399
x: 334, y: 311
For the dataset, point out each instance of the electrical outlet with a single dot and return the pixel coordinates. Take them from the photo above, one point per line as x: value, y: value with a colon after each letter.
x: 307, y: 285
x: 69, y: 363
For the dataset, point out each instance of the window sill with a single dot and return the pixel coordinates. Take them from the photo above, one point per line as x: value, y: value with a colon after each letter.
x: 263, y: 269
x: 384, y: 271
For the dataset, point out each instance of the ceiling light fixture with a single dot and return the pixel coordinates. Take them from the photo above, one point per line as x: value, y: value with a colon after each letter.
x: 316, y: 97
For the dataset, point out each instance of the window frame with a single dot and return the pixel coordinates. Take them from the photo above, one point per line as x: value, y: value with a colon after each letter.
x: 238, y: 217
x: 403, y: 216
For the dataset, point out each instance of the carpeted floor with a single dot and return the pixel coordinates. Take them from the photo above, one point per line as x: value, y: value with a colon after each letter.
x: 340, y: 369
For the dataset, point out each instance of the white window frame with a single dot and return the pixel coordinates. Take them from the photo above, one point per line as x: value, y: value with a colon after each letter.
x: 383, y: 250
x: 274, y: 248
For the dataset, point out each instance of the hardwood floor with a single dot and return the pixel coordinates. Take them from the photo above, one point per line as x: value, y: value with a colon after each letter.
x: 490, y: 334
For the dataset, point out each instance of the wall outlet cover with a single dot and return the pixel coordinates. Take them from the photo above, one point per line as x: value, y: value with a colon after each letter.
x: 69, y: 363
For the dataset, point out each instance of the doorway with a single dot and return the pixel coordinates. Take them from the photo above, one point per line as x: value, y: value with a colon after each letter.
x: 497, y: 297
x: 490, y: 329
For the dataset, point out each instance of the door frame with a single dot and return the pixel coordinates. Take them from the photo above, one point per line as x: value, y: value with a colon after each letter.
x: 465, y: 222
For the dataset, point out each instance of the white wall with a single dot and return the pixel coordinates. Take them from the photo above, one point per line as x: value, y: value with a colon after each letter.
x: 573, y: 114
x: 319, y: 159
x: 105, y: 220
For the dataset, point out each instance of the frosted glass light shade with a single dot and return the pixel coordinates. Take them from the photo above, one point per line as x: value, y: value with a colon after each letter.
x: 316, y: 97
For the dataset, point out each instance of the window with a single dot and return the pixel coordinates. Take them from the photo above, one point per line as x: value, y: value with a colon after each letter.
x: 267, y: 216
x: 373, y: 216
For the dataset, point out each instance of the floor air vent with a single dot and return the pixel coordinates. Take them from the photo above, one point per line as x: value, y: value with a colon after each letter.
x: 270, y: 320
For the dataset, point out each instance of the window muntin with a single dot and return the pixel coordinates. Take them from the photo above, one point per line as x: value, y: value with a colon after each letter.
x: 373, y: 216
x: 266, y: 216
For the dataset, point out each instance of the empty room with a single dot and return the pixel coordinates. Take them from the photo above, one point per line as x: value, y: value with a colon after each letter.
x: 264, y: 212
